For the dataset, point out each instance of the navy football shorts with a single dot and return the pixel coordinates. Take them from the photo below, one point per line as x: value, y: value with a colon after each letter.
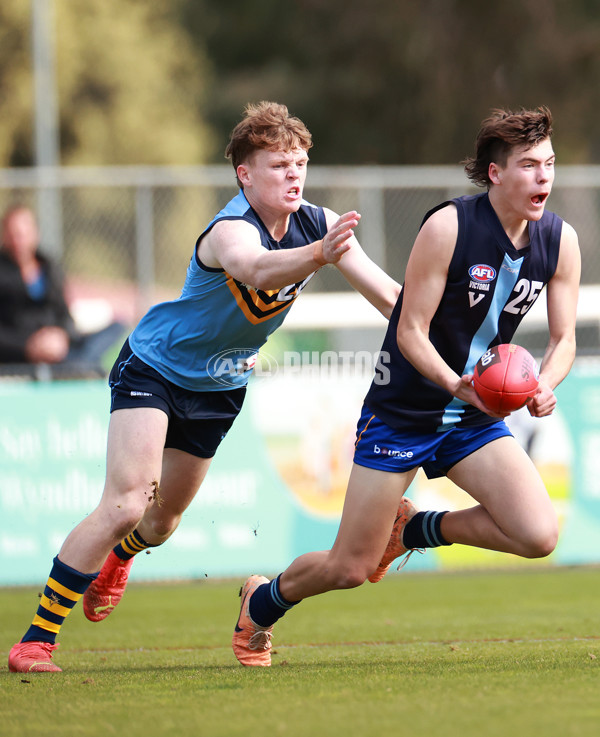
x: 198, y: 421
x: 382, y: 447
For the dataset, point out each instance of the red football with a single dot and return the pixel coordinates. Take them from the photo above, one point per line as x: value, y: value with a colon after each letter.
x: 505, y: 377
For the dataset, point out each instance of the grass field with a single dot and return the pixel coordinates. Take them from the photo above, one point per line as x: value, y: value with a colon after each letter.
x: 476, y: 655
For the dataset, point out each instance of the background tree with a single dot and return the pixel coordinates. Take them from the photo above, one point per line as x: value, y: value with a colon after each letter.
x: 405, y: 83
x: 379, y: 82
x: 16, y: 90
x: 130, y: 85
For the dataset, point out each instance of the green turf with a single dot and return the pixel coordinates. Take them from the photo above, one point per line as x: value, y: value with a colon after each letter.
x: 469, y: 655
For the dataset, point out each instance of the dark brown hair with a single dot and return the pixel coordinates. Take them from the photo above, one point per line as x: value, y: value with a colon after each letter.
x: 502, y: 132
x: 268, y: 126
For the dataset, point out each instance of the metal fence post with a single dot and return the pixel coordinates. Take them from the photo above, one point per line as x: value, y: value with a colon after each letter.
x: 144, y: 241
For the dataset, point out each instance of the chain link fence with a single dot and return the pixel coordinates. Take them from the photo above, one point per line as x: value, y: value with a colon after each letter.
x: 125, y: 235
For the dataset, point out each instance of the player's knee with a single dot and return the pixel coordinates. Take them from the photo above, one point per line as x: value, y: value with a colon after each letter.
x: 165, y: 526
x: 543, y: 542
x: 124, y: 517
x: 126, y: 523
x: 543, y: 548
x: 350, y: 581
x: 349, y: 576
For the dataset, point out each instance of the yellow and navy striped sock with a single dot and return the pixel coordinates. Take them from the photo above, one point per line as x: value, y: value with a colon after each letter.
x: 133, y: 544
x: 64, y: 589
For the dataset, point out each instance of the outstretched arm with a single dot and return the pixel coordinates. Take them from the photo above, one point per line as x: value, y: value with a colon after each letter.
x: 235, y: 246
x: 366, y: 276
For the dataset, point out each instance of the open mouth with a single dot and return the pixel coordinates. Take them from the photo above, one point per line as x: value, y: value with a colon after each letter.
x: 539, y: 199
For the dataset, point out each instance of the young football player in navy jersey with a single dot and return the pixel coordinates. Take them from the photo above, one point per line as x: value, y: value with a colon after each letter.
x: 478, y: 264
x: 170, y: 403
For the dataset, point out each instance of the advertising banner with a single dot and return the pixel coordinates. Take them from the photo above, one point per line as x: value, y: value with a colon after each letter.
x: 276, y: 486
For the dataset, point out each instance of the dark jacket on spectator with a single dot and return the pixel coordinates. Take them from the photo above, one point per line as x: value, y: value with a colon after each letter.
x: 21, y: 315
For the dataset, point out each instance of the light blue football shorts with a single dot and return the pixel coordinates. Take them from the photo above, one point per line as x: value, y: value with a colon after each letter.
x: 382, y: 447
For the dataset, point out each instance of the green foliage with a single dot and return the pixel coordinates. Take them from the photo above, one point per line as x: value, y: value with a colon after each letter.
x: 130, y: 84
x: 16, y: 88
x: 377, y: 82
x: 463, y: 655
x: 406, y: 83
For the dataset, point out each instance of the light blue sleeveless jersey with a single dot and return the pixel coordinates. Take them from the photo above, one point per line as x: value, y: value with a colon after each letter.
x: 208, y: 339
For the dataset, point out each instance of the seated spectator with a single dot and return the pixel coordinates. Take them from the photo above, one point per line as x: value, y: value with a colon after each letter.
x: 36, y: 326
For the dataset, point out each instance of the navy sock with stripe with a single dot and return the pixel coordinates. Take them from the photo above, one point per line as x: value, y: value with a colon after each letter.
x: 424, y: 531
x: 267, y: 605
x: 63, y: 590
x: 133, y: 544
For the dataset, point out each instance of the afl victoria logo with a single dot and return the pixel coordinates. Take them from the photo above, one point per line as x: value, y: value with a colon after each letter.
x: 482, y: 273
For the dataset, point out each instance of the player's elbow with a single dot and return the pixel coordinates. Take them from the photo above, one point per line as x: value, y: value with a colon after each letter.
x: 410, y: 335
x: 407, y: 348
x: 254, y: 272
x: 264, y: 279
x: 266, y: 285
x: 254, y: 278
x: 388, y: 300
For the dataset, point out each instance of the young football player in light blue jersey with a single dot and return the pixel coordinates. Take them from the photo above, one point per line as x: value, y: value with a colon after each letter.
x: 170, y: 403
x: 426, y: 413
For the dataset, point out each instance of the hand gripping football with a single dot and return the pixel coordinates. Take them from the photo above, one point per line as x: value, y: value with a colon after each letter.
x: 506, y: 377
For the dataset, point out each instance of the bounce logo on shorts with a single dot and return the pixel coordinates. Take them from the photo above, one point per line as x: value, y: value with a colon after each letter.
x: 391, y: 453
x: 229, y: 366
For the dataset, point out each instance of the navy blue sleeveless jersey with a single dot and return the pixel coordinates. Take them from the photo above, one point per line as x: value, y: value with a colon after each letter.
x: 490, y: 287
x: 208, y: 338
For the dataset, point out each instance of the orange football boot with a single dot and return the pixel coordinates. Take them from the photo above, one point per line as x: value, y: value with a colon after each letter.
x: 251, y: 643
x: 32, y: 657
x: 103, y: 594
x: 395, y: 546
